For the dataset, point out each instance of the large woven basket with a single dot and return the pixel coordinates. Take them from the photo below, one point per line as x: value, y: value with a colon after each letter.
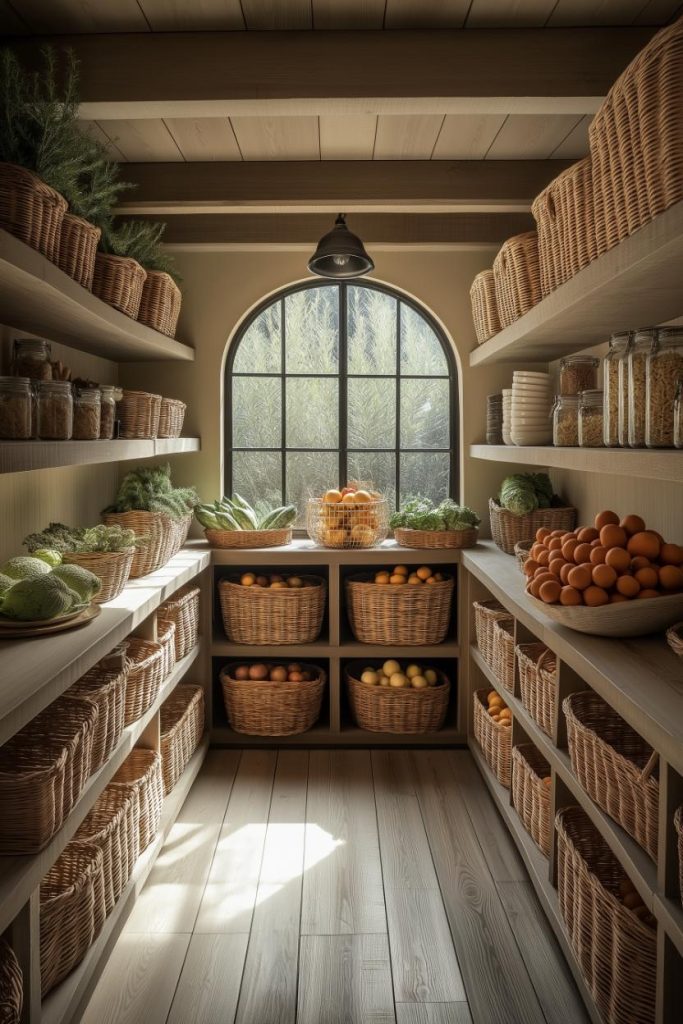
x: 484, y: 306
x: 171, y: 417
x: 507, y: 529
x: 112, y: 825
x: 272, y: 709
x: 493, y: 738
x: 144, y: 675
x: 259, y: 615
x: 183, y: 609
x: 166, y: 637
x: 537, y: 666
x: 31, y: 210
x: 437, y: 540
x: 678, y: 825
x: 503, y: 641
x: 517, y: 277
x: 522, y: 551
x: 182, y: 727
x: 11, y: 986
x: 616, y: 951
x: 72, y: 911
x: 244, y: 539
x: 118, y: 281
x: 565, y: 221
x: 160, y: 304
x: 409, y: 615
x: 140, y: 775
x: 614, y: 765
x: 674, y: 638
x: 531, y: 794
x: 486, y: 614
x: 105, y: 687
x: 161, y: 537
x: 401, y: 711
x: 112, y: 567
x: 139, y: 413
x: 77, y: 249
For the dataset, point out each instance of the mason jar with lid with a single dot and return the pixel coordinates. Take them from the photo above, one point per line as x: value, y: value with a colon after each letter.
x: 624, y: 393
x: 678, y: 416
x: 55, y: 410
x: 32, y: 359
x: 107, y: 411
x: 16, y: 401
x: 590, y: 419
x: 566, y: 421
x: 577, y: 374
x: 86, y: 423
x: 664, y: 368
x: 618, y: 346
x: 637, y: 378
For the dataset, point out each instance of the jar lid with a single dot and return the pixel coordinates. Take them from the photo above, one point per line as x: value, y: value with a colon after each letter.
x: 60, y: 387
x: 589, y: 360
x: 17, y: 383
x: 91, y: 394
x: 665, y: 334
x: 37, y: 345
x: 645, y: 334
x: 568, y: 399
x: 621, y: 338
x: 592, y: 397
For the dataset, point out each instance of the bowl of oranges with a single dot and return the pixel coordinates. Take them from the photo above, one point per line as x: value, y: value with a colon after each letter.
x: 615, y: 578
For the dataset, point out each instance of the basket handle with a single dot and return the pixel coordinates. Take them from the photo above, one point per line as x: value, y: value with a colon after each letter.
x: 649, y: 767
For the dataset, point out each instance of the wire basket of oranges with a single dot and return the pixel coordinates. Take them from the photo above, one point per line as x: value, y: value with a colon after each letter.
x: 353, y: 517
x: 399, y: 607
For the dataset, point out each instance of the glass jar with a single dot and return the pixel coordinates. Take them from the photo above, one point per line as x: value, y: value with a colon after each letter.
x: 32, y: 359
x: 678, y: 416
x: 107, y: 411
x: 624, y: 392
x: 566, y: 421
x: 618, y: 346
x: 590, y: 419
x: 577, y: 374
x: 55, y: 410
x: 664, y: 369
x: 86, y: 425
x: 637, y: 378
x: 16, y: 401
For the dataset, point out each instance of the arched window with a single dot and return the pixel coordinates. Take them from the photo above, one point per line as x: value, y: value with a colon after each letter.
x: 333, y: 382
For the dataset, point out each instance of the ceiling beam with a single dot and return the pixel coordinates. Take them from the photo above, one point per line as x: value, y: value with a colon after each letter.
x: 438, y: 186
x: 214, y: 74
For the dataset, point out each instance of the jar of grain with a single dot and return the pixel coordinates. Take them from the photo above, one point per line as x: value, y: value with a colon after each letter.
x: 624, y: 392
x: 663, y: 371
x: 618, y: 345
x: 32, y: 359
x: 86, y: 403
x: 16, y: 401
x: 55, y: 410
x: 678, y: 416
x: 107, y: 411
x: 577, y: 374
x: 590, y: 419
x: 637, y: 375
x: 566, y: 421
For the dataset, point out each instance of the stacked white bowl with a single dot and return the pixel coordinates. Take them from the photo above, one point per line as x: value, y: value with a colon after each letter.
x: 507, y: 415
x: 531, y: 404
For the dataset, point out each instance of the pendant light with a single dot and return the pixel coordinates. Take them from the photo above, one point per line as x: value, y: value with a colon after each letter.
x: 340, y: 254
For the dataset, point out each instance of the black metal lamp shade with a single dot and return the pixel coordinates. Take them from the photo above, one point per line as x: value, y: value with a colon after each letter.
x: 340, y: 254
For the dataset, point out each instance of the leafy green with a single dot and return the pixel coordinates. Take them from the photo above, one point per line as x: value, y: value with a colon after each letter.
x: 149, y: 489
x: 422, y: 514
x: 522, y: 493
x: 60, y: 538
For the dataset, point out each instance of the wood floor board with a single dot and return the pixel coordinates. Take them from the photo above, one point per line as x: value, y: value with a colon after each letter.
x: 269, y: 982
x: 209, y: 983
x: 345, y: 979
x: 433, y: 1013
x: 424, y: 965
x: 208, y: 799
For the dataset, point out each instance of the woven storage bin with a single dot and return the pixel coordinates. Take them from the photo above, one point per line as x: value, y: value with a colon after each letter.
x: 678, y: 825
x: 140, y: 775
x: 503, y: 641
x: 112, y: 567
x: 77, y: 249
x: 507, y: 529
x: 31, y: 210
x: 183, y: 609
x: 403, y: 711
x: 160, y: 304
x: 139, y: 413
x: 565, y: 221
x: 144, y: 674
x: 105, y: 687
x: 171, y: 417
x: 118, y: 281
x: 259, y: 615
x: 249, y: 538
x: 386, y: 614
x: 493, y: 738
x: 11, y: 986
x: 674, y: 638
x: 339, y: 525
x: 112, y: 825
x: 522, y: 551
x: 517, y: 277
x: 614, y: 765
x: 435, y: 539
x: 72, y: 911
x: 484, y: 306
x: 615, y: 949
x: 486, y: 613
x: 537, y: 667
x: 166, y: 637
x: 531, y: 795
x: 162, y: 537
x: 182, y: 727
x: 272, y: 709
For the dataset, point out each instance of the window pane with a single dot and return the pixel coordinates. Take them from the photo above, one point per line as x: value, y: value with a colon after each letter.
x: 424, y: 413
x: 260, y: 349
x: 312, y: 330
x: 377, y: 469
x: 372, y: 412
x: 372, y: 321
x: 421, y: 351
x: 256, y: 405
x: 312, y: 412
x: 257, y: 476
x: 424, y: 476
x: 309, y: 475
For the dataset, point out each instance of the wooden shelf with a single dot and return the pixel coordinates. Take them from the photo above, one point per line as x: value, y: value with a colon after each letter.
x: 222, y: 647
x: 23, y: 456
x: 303, y: 551
x: 37, y: 297
x: 638, y: 282
x: 655, y: 464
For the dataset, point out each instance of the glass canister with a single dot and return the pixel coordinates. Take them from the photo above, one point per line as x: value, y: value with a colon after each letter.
x: 618, y: 346
x: 107, y: 411
x: 664, y: 369
x: 577, y: 374
x: 624, y: 392
x: 590, y: 419
x: 639, y: 350
x: 566, y: 421
x: 32, y: 359
x: 86, y: 420
x: 55, y: 410
x: 678, y: 416
x: 16, y: 402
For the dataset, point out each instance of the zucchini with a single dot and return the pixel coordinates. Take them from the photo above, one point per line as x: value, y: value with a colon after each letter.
x: 279, y: 518
x: 245, y: 518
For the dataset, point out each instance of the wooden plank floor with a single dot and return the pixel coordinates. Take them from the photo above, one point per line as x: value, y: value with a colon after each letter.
x: 337, y: 887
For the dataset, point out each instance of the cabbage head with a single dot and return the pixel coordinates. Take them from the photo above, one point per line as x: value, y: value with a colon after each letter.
x: 43, y: 597
x: 85, y: 583
x: 24, y: 567
x: 518, y: 494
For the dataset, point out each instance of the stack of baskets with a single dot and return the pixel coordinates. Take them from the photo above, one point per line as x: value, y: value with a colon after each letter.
x: 398, y: 615
x: 264, y: 708
x: 507, y: 529
x: 182, y: 726
x: 493, y: 738
x: 161, y: 537
x: 11, y: 986
x: 399, y: 711
x: 537, y: 668
x: 531, y: 794
x: 183, y: 609
x: 261, y: 615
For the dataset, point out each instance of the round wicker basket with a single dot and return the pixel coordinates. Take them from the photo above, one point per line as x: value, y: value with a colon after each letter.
x: 272, y: 709
x: 436, y: 539
x: 112, y: 567
x: 249, y: 538
x: 401, y: 711
x: 507, y: 529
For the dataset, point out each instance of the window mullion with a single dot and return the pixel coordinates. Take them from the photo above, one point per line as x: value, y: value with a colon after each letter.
x: 398, y: 404
x: 343, y: 388
x: 283, y: 401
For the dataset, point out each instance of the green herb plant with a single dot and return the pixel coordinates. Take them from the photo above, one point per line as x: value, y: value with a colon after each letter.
x: 149, y: 489
x: 421, y: 514
x: 79, y: 540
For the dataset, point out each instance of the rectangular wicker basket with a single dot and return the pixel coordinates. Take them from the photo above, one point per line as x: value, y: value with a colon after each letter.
x: 565, y: 221
x: 531, y: 794
x: 162, y: 537
x: 171, y: 417
x: 260, y: 615
x: 517, y: 277
x: 166, y: 637
x: 400, y: 711
x: 398, y: 615
x: 484, y: 306
x: 105, y: 687
x: 504, y: 652
x: 537, y: 667
x: 31, y: 210
x: 77, y: 249
x: 112, y: 825
x: 272, y: 709
x: 141, y: 776
x: 507, y: 529
x: 493, y: 738
x: 183, y: 609
x: 11, y: 986
x: 486, y: 614
x: 139, y: 413
x: 144, y: 674
x: 182, y: 727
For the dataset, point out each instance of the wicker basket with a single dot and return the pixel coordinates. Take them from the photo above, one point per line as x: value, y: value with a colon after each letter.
x: 118, y: 281
x: 522, y: 551
x: 183, y: 609
x: 484, y: 306
x: 674, y: 638
x: 249, y: 538
x: 166, y: 637
x: 31, y: 210
x: 259, y: 615
x: 503, y: 642
x: 139, y: 413
x: 171, y: 417
x: 161, y: 537
x: 140, y: 775
x: 493, y: 738
x: 614, y: 765
x: 616, y: 951
x: 11, y: 986
x: 401, y: 711
x: 112, y: 825
x: 486, y: 613
x: 182, y: 727
x: 394, y: 615
x: 565, y: 221
x: 347, y: 525
x: 144, y: 675
x: 160, y: 304
x: 437, y: 540
x: 678, y: 825
x: 77, y: 249
x: 105, y: 687
x: 507, y: 528
x: 537, y: 666
x: 72, y: 911
x: 531, y: 795
x: 112, y: 567
x: 517, y: 277
x: 272, y: 709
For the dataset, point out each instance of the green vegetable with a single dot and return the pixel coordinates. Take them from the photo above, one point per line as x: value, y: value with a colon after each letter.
x: 237, y: 514
x: 49, y: 556
x: 22, y: 567
x: 39, y: 598
x: 5, y: 583
x: 85, y: 583
x: 59, y: 538
x: 521, y: 493
x: 279, y: 518
x: 421, y: 514
x: 148, y: 489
